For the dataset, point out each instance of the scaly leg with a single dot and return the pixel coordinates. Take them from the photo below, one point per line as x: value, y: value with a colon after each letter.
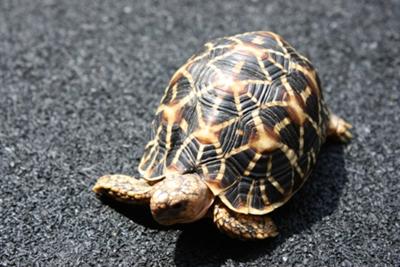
x: 124, y: 188
x: 339, y: 129
x: 243, y: 226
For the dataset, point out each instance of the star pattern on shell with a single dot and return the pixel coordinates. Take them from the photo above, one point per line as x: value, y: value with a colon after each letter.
x: 247, y: 114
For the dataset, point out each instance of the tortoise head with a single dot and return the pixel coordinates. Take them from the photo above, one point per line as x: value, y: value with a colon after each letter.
x: 180, y: 199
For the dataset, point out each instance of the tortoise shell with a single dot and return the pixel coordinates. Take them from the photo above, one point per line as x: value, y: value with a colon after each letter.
x: 247, y: 114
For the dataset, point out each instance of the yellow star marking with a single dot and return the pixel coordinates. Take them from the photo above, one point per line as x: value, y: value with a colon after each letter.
x: 308, y: 161
x: 252, y: 164
x: 200, y: 116
x: 215, y: 59
x: 215, y: 111
x: 263, y: 193
x: 164, y: 95
x: 184, y: 125
x: 189, y: 77
x: 321, y: 122
x: 291, y: 156
x: 280, y: 125
x: 238, y: 67
x: 305, y: 94
x: 237, y: 150
x: 147, y: 156
x: 171, y: 113
x: 278, y: 39
x: 275, y: 183
x: 206, y: 135
x: 258, y: 40
x: 238, y: 106
x: 221, y: 172
x: 168, y: 143
x: 273, y: 61
x: 270, y: 51
x: 274, y: 104
x: 250, y: 194
x: 313, y: 157
x: 257, y: 82
x: 147, y: 172
x: 235, y: 40
x: 298, y: 113
x: 179, y: 104
x: 175, y: 77
x: 247, y: 33
x: 271, y: 179
x: 207, y: 53
x: 205, y: 170
x: 226, y: 82
x: 258, y: 54
x: 254, y: 99
x: 218, y: 73
x: 180, y: 150
x: 199, y: 154
x: 209, y: 45
x: 301, y: 141
x: 314, y: 125
x: 224, y: 124
x: 264, y: 70
x: 174, y: 91
x: 263, y: 140
x: 308, y: 73
x: 252, y: 49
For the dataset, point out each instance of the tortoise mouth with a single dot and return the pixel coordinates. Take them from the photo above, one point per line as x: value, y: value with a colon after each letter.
x: 165, y: 216
x: 168, y: 221
x: 168, y: 217
x: 175, y: 215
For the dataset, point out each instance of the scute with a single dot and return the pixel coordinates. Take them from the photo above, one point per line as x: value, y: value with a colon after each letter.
x: 247, y: 114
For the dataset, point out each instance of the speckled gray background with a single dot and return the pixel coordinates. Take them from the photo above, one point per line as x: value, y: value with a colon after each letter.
x: 80, y: 80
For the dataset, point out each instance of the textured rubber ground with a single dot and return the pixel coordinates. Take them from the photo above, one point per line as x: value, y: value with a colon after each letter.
x: 80, y: 80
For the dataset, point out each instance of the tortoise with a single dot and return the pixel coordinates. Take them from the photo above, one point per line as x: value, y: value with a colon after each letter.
x: 236, y: 135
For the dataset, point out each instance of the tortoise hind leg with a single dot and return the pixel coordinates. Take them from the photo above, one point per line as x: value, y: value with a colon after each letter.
x: 124, y: 188
x: 243, y: 226
x: 339, y: 129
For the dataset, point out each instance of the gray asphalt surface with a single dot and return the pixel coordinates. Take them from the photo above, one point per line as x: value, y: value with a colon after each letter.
x: 79, y: 83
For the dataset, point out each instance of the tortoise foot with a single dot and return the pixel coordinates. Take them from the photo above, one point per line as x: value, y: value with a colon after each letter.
x: 339, y: 129
x: 123, y: 188
x: 243, y: 226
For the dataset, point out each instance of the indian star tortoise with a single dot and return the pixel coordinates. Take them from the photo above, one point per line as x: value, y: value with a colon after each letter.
x: 236, y: 134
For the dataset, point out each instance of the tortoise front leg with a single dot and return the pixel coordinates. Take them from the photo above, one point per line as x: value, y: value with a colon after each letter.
x: 124, y: 188
x: 243, y: 226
